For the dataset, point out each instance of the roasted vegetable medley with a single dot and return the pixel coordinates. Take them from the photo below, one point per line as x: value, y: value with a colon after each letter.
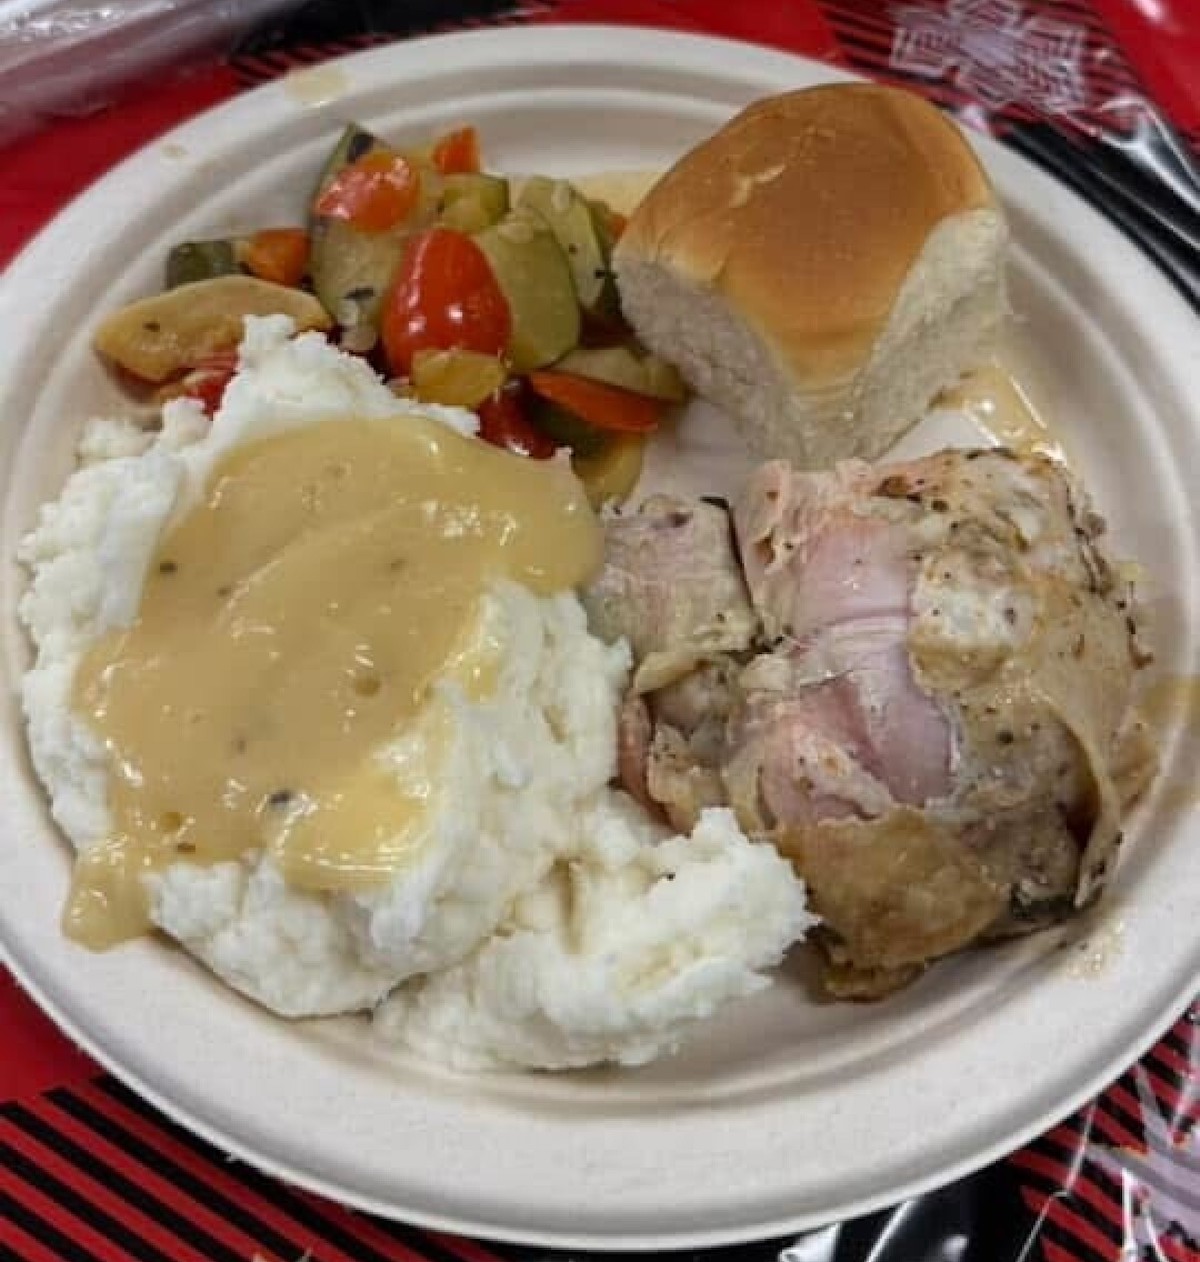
x: 461, y: 286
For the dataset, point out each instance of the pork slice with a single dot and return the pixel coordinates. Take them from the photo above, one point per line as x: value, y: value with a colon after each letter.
x: 689, y: 719
x: 635, y: 734
x: 948, y: 738
x: 680, y: 782
x: 940, y: 732
x: 813, y: 553
x: 672, y: 586
x: 839, y: 727
x: 835, y: 723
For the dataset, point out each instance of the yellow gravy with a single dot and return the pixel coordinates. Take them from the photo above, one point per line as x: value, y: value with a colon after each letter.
x: 1001, y: 406
x: 291, y: 625
x: 1173, y: 699
x: 1173, y: 702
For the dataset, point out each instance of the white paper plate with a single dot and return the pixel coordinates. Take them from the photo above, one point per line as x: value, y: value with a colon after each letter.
x: 787, y: 1113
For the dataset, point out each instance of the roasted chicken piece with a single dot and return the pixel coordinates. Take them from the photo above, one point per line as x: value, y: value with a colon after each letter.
x: 936, y: 722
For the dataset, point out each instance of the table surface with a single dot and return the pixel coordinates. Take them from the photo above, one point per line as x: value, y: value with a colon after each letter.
x: 89, y: 1171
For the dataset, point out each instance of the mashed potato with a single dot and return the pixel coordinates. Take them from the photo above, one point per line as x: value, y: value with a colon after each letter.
x: 543, y: 920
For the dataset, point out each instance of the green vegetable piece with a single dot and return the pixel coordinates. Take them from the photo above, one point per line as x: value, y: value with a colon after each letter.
x: 201, y: 260
x: 567, y: 429
x: 350, y: 269
x: 605, y: 223
x: 611, y: 474
x: 623, y: 366
x: 532, y: 272
x: 472, y: 202
x: 570, y: 219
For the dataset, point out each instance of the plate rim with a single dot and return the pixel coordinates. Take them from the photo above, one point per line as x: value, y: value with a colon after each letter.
x: 551, y: 38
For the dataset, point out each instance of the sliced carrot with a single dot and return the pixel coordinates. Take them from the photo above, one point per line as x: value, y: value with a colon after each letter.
x: 373, y: 194
x: 277, y: 254
x: 604, y: 406
x: 457, y: 152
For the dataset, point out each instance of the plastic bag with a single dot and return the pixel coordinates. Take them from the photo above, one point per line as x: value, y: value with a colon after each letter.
x: 1053, y: 81
x: 62, y: 57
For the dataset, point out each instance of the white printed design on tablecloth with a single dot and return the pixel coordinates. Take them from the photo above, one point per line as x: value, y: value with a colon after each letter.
x: 1155, y: 1184
x: 995, y: 53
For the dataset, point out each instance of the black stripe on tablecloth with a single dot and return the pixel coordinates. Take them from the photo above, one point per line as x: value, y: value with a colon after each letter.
x: 1184, y: 1037
x: 8, y: 1254
x: 185, y: 1180
x: 1093, y: 1198
x: 45, y: 1233
x: 297, y: 1205
x: 1051, y: 1232
x: 74, y: 1202
x: 1084, y: 1207
x: 1122, y: 1101
x: 328, y: 25
x: 419, y: 1242
x: 1093, y: 1194
x: 118, y: 1184
x: 1174, y: 1070
x: 1171, y: 1061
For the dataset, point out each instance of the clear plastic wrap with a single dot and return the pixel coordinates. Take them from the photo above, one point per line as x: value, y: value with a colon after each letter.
x: 1055, y: 82
x: 64, y: 57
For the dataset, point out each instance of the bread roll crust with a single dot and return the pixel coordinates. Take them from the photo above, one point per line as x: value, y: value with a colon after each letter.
x: 807, y: 212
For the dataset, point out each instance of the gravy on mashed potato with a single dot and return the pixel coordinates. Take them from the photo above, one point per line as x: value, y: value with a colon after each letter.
x: 290, y: 623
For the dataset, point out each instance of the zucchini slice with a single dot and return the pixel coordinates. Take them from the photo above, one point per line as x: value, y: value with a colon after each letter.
x: 623, y: 366
x: 534, y: 276
x: 191, y: 261
x: 456, y: 378
x: 567, y: 429
x: 570, y: 219
x: 472, y: 202
x: 351, y: 269
x: 610, y: 474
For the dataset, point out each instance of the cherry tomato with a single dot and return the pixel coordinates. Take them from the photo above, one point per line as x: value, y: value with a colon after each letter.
x: 278, y: 254
x: 444, y: 297
x: 457, y: 153
x: 503, y: 423
x: 373, y: 194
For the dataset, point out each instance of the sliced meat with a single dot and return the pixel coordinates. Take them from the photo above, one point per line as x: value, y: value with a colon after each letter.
x: 690, y: 742
x: 671, y: 585
x: 899, y: 890
x: 680, y: 784
x: 975, y: 663
x: 800, y: 750
x: 838, y: 727
x: 935, y: 721
x: 700, y: 703
x: 635, y: 732
x: 812, y: 557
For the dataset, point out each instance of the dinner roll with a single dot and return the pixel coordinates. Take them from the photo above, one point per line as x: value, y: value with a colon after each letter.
x: 820, y: 268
